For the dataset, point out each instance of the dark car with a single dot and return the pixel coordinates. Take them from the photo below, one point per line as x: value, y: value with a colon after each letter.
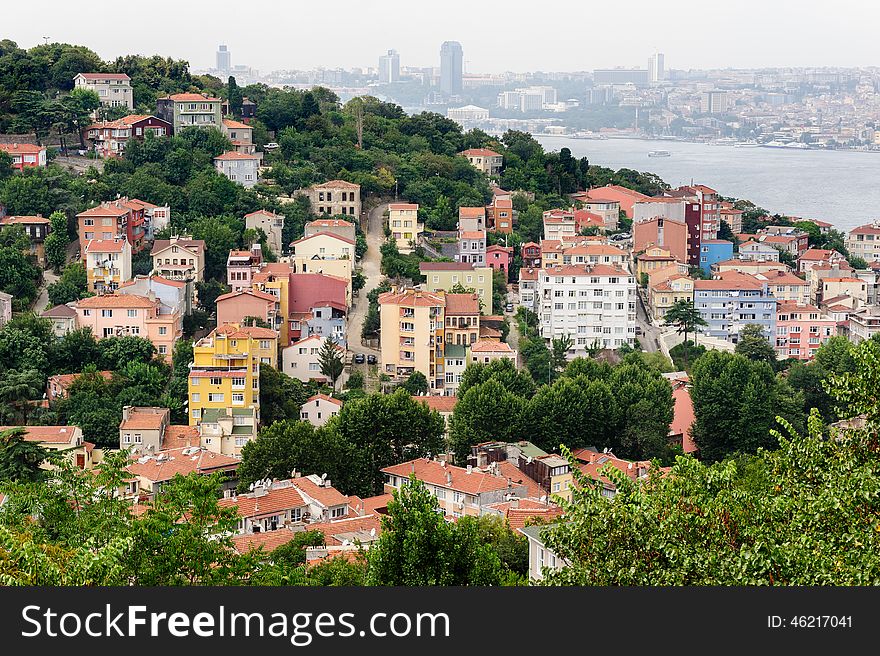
x: 371, y: 359
x: 358, y: 358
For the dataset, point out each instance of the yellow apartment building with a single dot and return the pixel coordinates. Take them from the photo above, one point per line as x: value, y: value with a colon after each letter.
x: 225, y: 374
x: 403, y: 221
x: 663, y: 295
x: 443, y: 276
x: 412, y: 324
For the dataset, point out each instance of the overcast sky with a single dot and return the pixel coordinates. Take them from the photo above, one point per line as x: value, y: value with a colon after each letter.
x: 564, y: 35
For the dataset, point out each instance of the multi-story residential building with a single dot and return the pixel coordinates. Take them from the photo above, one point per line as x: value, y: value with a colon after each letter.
x: 864, y: 242
x: 241, y: 265
x: 460, y: 491
x: 152, y: 473
x: 733, y: 218
x: 558, y: 224
x: 324, y: 252
x: 663, y: 295
x: 108, y: 264
x: 592, y: 463
x: 757, y: 251
x: 659, y: 207
x: 731, y: 301
x: 819, y: 272
x: 335, y: 197
x: 452, y: 366
x: 114, y: 89
x: 800, y: 330
x: 472, y: 218
x: 656, y: 258
x: 528, y: 282
x: 751, y: 267
x: 666, y: 233
x: 530, y: 252
x: 24, y: 156
x: 268, y: 507
x: 713, y: 102
x: 317, y: 307
x: 540, y: 557
x: 485, y: 351
x: 816, y: 256
x: 626, y: 198
x: 412, y: 329
x: 499, y: 215
x: 184, y: 110
x: 443, y: 276
x: 143, y: 429
x: 607, y: 209
x: 793, y: 243
x: 487, y: 161
x: 240, y: 134
x: 713, y: 251
x: 271, y: 224
x: 241, y: 168
x: 37, y: 228
x: 864, y: 323
x: 66, y: 439
x: 264, y: 341
x: 472, y: 247
x: 237, y: 306
x: 499, y: 258
x: 580, y: 251
x: 318, y: 409
x: 122, y: 217
x: 63, y: 318
x: 225, y: 373
x: 227, y: 430
x: 786, y: 286
x: 109, y: 137
x: 590, y: 303
x: 710, y: 209
x: 406, y: 231
x: 300, y: 359
x: 179, y: 258
x: 339, y: 227
x: 461, y: 323
x: 844, y: 286
x: 117, y: 315
x: 871, y: 276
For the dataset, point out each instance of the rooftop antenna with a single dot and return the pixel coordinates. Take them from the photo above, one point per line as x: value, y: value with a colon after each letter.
x: 46, y: 40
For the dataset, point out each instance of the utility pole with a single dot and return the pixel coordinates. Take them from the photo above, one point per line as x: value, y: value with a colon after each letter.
x: 45, y: 40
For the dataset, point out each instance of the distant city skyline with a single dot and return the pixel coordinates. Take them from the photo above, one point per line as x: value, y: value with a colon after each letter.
x: 521, y: 39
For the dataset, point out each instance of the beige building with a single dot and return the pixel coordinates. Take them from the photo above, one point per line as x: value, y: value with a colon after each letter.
x: 443, y: 276
x: 864, y: 242
x: 241, y: 135
x: 412, y: 324
x: 142, y: 429
x: 786, y: 286
x: 403, y: 221
x: 484, y: 351
x: 580, y: 251
x: 271, y: 224
x: 324, y: 252
x: 663, y: 295
x: 751, y: 267
x: 300, y: 360
x: 845, y: 286
x: 179, y: 258
x: 63, y: 318
x: 68, y: 439
x: 487, y: 161
x: 338, y: 227
x: 335, y: 197
x: 318, y: 409
x: 114, y: 89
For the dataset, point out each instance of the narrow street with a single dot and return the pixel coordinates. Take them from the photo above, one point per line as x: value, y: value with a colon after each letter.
x: 49, y: 277
x: 650, y: 333
x: 370, y: 267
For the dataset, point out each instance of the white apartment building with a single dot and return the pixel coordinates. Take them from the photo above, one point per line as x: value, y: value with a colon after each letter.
x: 114, y: 89
x: 592, y: 304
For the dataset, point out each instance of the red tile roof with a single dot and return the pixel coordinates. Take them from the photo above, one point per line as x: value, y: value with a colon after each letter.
x: 403, y: 206
x: 326, y: 234
x: 471, y: 212
x: 480, y: 152
x: 411, y: 298
x: 472, y: 234
x: 462, y: 304
x: 336, y: 184
x: 490, y: 346
x: 106, y: 245
x: 191, y: 97
x: 46, y: 434
x: 326, y: 496
x: 144, y: 419
x: 234, y: 154
x: 445, y: 266
x: 116, y: 301
x: 112, y: 208
x: 229, y: 123
x: 24, y: 220
x: 442, y: 404
x: 175, y: 462
x: 324, y: 397
x: 256, y: 293
x: 510, y: 471
x: 274, y: 501
x: 431, y: 471
x: 25, y: 149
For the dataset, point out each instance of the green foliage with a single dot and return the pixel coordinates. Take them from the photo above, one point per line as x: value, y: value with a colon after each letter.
x: 26, y: 343
x: 754, y: 345
x: 355, y: 381
x: 416, y: 384
x: 56, y: 243
x: 72, y: 285
x: 331, y: 360
x: 503, y: 371
x: 17, y: 390
x: 20, y: 460
x: 418, y: 547
x: 486, y: 411
x: 281, y: 396
x: 207, y: 293
x: 18, y: 270
x: 685, y: 354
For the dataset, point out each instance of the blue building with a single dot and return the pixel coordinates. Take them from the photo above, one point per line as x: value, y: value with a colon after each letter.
x: 731, y: 301
x: 714, y: 250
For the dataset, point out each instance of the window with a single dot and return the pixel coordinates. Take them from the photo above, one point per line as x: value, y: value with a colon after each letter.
x: 215, y: 397
x: 216, y: 380
x: 163, y: 330
x: 337, y: 512
x: 238, y: 398
x: 87, y: 313
x: 106, y: 313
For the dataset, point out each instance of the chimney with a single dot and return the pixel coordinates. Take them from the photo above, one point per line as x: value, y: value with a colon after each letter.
x: 469, y: 469
x: 449, y: 477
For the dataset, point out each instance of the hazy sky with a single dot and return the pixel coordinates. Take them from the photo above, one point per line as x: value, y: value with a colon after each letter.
x: 515, y: 35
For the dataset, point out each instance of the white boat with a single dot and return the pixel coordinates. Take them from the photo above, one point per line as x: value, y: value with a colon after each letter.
x: 725, y: 141
x: 746, y: 144
x: 659, y: 153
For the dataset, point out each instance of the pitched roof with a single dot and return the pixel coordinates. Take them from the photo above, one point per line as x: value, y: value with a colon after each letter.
x: 326, y: 496
x: 462, y: 304
x: 190, y: 97
x: 60, y: 311
x: 490, y: 346
x: 254, y: 332
x: 229, y: 123
x: 275, y: 500
x: 510, y: 471
x: 324, y: 397
x: 173, y: 461
x: 106, y: 245
x: 256, y: 293
x: 112, y: 208
x: 472, y: 234
x: 46, y: 434
x: 431, y: 471
x: 442, y: 404
x: 403, y: 206
x: 25, y: 149
x: 586, y: 270
x: 867, y: 229
x: 325, y: 234
x: 116, y: 301
x: 480, y: 152
x: 411, y: 298
x: 330, y: 223
x: 179, y: 437
x: 234, y: 154
x: 730, y: 280
x: 104, y: 76
x: 336, y: 184
x: 144, y: 419
x: 66, y: 380
x: 23, y: 220
x: 471, y: 212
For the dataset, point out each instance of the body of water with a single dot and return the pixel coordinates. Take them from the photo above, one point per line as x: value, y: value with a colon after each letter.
x: 841, y: 187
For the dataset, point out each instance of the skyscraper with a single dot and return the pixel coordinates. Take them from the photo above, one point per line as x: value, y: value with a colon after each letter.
x: 389, y: 67
x: 224, y: 59
x: 656, y: 66
x: 451, y: 57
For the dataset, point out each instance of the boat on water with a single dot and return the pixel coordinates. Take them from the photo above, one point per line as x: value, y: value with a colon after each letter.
x: 659, y: 153
x: 724, y: 141
x: 746, y: 144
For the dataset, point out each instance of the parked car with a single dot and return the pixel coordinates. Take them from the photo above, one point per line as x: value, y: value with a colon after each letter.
x: 638, y: 330
x: 509, y: 307
x: 371, y: 359
x: 271, y: 146
x: 358, y: 358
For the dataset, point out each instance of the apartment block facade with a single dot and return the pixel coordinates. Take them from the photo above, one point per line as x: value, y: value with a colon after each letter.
x: 731, y: 301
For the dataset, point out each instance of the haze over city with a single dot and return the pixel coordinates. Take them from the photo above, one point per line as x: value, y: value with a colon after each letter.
x: 563, y: 37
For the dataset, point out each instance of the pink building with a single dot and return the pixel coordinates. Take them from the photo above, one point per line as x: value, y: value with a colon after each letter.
x: 668, y: 234
x: 240, y: 267
x: 626, y: 197
x: 235, y: 306
x: 119, y: 315
x: 498, y: 257
x: 801, y: 330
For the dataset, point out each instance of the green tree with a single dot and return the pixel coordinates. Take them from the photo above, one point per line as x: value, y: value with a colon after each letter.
x: 235, y: 97
x: 754, y: 345
x: 20, y: 460
x: 332, y: 360
x: 415, y: 384
x: 485, y: 412
x: 117, y: 352
x: 26, y: 343
x: 76, y: 111
x: 17, y: 390
x: 559, y: 347
x: 208, y: 292
x: 71, y: 286
x: 685, y: 317
x: 56, y: 243
x: 281, y: 396
x: 417, y: 547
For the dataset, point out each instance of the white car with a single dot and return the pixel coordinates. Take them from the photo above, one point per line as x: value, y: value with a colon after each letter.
x: 271, y: 146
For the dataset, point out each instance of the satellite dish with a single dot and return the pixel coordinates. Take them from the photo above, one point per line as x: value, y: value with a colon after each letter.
x: 372, y: 532
x: 251, y: 487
